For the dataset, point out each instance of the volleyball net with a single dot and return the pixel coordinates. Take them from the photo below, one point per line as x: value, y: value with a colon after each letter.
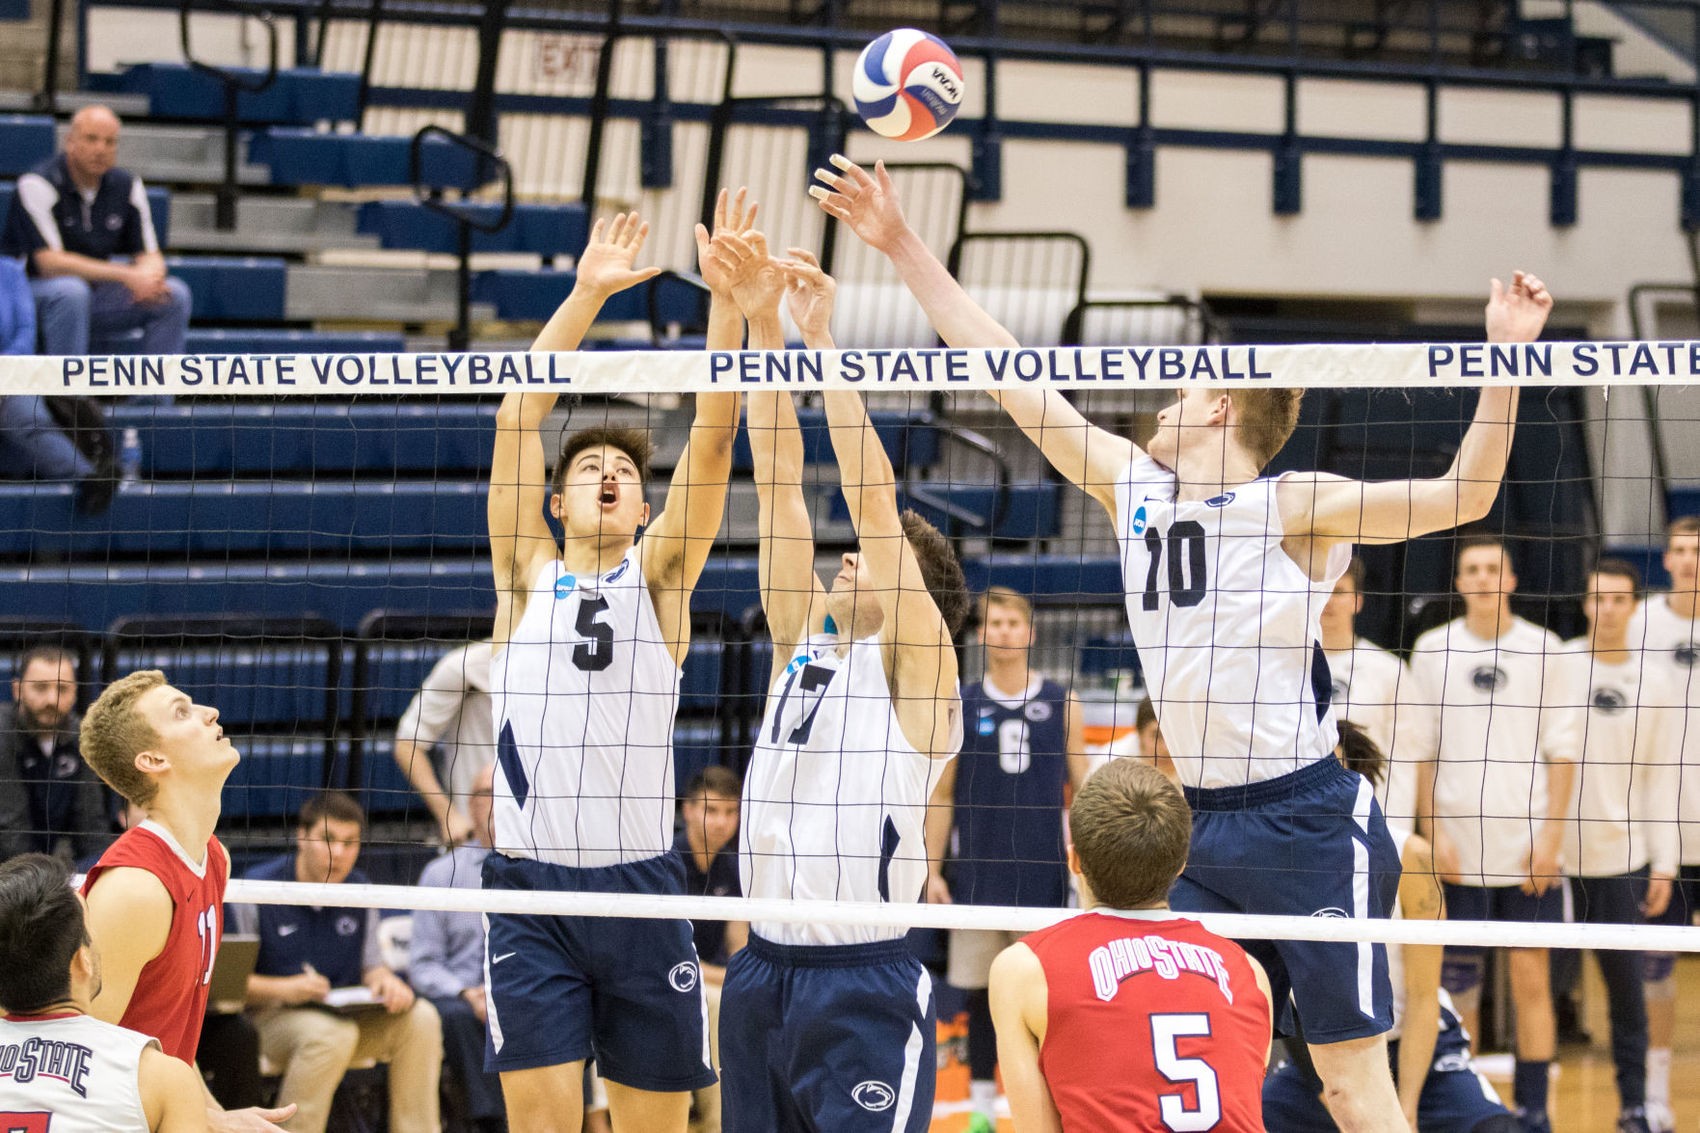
x: 303, y: 542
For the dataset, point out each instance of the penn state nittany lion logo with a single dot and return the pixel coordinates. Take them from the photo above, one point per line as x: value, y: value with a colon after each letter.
x: 1333, y: 912
x: 1609, y: 701
x: 873, y: 1096
x: 1037, y: 711
x: 1686, y: 654
x: 614, y: 575
x: 1488, y: 678
x: 683, y: 977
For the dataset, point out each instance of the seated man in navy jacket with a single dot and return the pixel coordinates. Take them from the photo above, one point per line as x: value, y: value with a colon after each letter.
x: 95, y: 266
x: 305, y: 953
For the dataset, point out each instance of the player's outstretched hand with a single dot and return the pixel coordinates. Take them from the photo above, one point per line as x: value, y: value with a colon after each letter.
x: 253, y: 1120
x: 809, y: 295
x: 733, y: 213
x: 867, y: 202
x: 755, y: 278
x: 1517, y: 313
x: 606, y: 265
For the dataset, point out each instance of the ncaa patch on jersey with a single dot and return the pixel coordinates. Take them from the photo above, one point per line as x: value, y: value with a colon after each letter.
x: 1138, y: 522
x: 873, y: 1096
x: 987, y: 725
x: 564, y: 585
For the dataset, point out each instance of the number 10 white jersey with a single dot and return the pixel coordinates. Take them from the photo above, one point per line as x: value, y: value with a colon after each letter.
x: 583, y: 697
x: 1227, y: 628
x: 835, y: 799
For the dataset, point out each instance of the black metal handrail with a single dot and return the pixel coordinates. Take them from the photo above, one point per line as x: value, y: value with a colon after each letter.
x: 1210, y: 327
x: 235, y: 85
x: 466, y: 215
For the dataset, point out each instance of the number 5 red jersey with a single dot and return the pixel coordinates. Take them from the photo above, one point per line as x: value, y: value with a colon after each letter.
x: 1151, y: 1025
x: 171, y: 996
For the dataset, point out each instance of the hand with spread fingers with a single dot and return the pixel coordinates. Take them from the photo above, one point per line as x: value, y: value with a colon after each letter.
x: 733, y: 213
x: 607, y: 263
x: 867, y: 202
x: 756, y: 280
x: 809, y: 296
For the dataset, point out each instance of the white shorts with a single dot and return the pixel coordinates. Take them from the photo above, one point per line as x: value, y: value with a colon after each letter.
x: 972, y: 951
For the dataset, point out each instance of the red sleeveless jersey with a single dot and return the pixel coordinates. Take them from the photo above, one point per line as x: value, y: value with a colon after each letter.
x: 1151, y: 1025
x: 170, y: 1000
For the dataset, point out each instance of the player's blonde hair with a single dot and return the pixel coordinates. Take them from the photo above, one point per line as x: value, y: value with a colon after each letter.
x: 1131, y: 830
x: 114, y: 733
x: 1006, y: 598
x: 1266, y: 419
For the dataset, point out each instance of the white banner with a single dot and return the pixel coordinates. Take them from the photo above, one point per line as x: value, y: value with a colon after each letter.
x: 922, y: 370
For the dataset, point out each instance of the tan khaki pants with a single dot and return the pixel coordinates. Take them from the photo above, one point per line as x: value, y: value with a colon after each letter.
x: 314, y: 1048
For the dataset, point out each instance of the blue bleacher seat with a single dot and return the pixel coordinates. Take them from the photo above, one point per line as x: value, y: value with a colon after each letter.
x: 26, y: 140
x: 338, y: 590
x: 280, y: 340
x: 1030, y: 511
x: 159, y: 201
x: 274, y: 778
x: 1047, y: 576
x: 306, y: 157
x: 237, y: 288
x: 543, y: 230
x: 520, y: 295
x: 299, y: 439
x: 280, y: 687
x: 14, y: 9
x: 911, y: 440
x: 298, y: 96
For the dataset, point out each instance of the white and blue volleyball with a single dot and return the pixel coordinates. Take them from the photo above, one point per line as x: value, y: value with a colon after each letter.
x: 908, y: 85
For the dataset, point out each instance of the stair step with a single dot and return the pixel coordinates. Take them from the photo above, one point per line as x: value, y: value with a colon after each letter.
x: 373, y: 294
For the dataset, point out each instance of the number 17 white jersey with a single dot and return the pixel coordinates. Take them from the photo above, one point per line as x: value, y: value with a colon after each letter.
x: 1227, y: 628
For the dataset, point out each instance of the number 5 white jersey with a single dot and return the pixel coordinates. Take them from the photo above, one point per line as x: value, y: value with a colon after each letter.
x: 1227, y: 629
x: 583, y: 698
x: 835, y: 799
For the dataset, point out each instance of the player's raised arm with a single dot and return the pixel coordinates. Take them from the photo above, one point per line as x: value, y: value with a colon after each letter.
x: 791, y: 592
x: 1333, y: 508
x: 677, y: 543
x: 920, y: 654
x: 519, y: 475
x: 1089, y: 457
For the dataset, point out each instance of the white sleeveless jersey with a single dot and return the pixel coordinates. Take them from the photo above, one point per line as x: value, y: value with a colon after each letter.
x: 835, y: 799
x: 584, y: 697
x: 72, y: 1074
x: 1368, y: 682
x: 1227, y: 627
x: 1672, y: 643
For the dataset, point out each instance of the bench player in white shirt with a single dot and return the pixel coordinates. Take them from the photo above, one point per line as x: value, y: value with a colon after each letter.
x: 1367, y: 683
x: 1667, y: 627
x: 1226, y: 574
x: 61, y: 1069
x: 589, y: 636
x: 826, y: 1027
x: 1498, y: 749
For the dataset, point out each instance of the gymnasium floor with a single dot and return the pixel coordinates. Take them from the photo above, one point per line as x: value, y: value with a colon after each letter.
x: 1584, y: 1096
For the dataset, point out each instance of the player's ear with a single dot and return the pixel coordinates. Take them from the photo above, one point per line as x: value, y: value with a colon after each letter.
x: 1074, y: 862
x: 557, y: 503
x: 151, y: 762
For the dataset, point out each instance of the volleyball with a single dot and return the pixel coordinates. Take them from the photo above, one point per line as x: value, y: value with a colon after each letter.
x: 908, y: 85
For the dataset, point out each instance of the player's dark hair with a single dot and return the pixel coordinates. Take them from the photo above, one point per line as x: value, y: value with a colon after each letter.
x: 1265, y: 419
x: 1619, y: 568
x: 1355, y: 572
x: 1360, y: 753
x: 330, y: 806
x: 1131, y: 829
x: 1145, y: 714
x: 714, y: 780
x: 940, y: 570
x: 54, y: 655
x: 41, y: 928
x: 635, y: 443
x: 1481, y: 539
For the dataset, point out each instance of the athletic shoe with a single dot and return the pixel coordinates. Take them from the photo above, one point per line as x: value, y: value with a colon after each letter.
x: 1660, y: 1119
x: 1633, y: 1121
x: 980, y: 1123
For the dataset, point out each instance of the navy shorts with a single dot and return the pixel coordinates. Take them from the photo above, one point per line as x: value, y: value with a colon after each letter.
x: 1465, y: 966
x: 626, y: 992
x: 1455, y: 1098
x: 826, y: 1037
x: 1309, y: 844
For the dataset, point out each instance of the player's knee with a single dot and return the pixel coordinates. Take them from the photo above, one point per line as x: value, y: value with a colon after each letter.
x: 1461, y: 972
x: 1498, y: 1123
x: 1658, y: 970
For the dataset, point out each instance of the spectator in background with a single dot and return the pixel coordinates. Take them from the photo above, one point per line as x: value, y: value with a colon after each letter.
x: 94, y: 261
x: 17, y: 309
x: 305, y: 953
x: 445, y: 740
x: 708, y: 845
x: 1367, y: 682
x: 446, y: 964
x: 50, y: 801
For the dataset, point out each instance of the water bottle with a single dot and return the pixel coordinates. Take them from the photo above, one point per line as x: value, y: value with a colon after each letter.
x: 130, y: 456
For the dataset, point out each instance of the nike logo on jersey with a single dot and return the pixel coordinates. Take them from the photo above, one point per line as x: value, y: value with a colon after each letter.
x: 494, y: 960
